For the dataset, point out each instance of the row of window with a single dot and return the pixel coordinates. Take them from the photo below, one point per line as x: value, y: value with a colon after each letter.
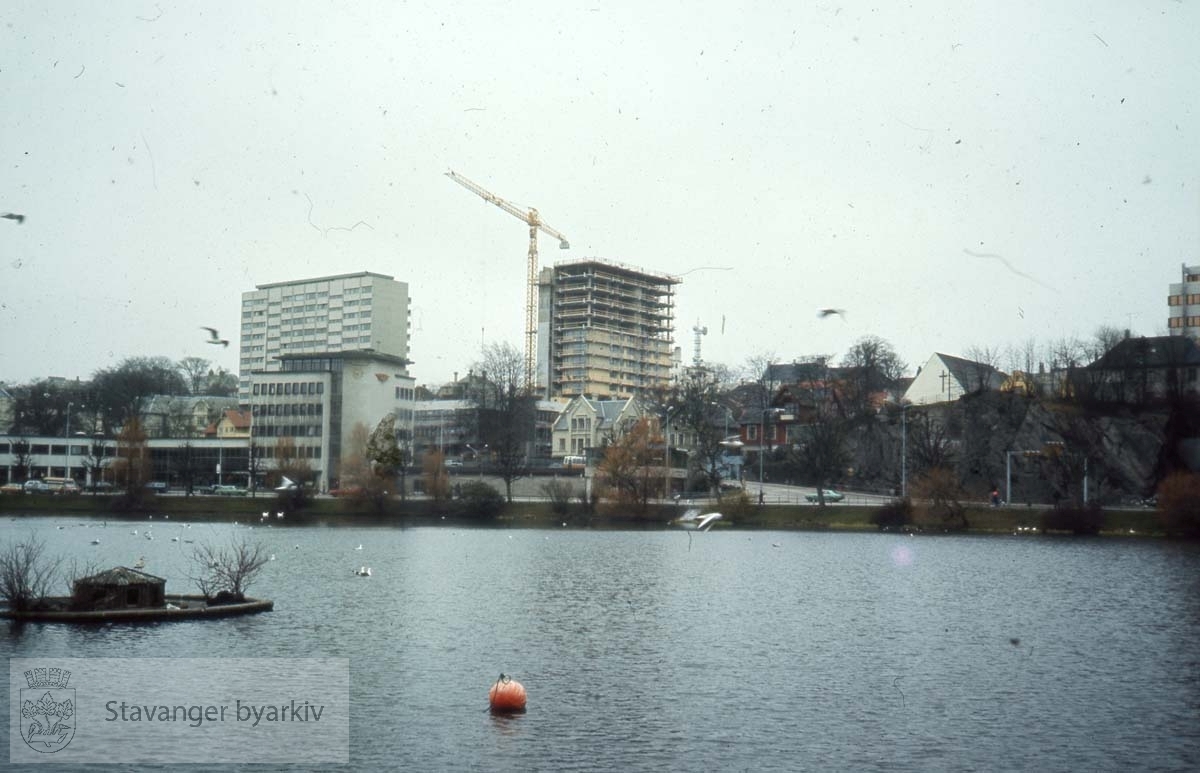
x: 1175, y: 323
x: 288, y: 430
x: 1180, y: 300
x: 286, y: 409
x: 304, y: 452
x: 289, y: 388
x: 42, y: 448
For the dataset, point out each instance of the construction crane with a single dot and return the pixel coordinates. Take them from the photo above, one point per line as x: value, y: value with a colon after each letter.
x: 531, y: 218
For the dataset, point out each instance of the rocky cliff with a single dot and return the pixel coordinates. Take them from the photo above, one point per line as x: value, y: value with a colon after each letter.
x: 1045, y: 445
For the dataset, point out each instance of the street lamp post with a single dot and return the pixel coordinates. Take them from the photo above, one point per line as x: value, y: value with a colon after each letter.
x: 67, y: 435
x: 478, y: 457
x: 762, y: 439
x: 904, y: 449
x: 667, y: 458
x: 1008, y: 455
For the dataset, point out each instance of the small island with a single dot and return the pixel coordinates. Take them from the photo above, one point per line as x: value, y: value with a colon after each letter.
x: 122, y: 594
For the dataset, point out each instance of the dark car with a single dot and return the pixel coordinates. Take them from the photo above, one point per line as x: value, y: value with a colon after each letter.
x: 157, y: 487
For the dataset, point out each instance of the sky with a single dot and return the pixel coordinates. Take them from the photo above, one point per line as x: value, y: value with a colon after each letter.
x: 952, y: 175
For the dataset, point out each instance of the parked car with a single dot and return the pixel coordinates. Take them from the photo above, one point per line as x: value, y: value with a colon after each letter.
x: 35, y: 487
x: 64, y: 487
x: 346, y: 491
x: 12, y: 488
x: 454, y: 463
x: 157, y: 486
x: 229, y: 491
x: 830, y: 496
x: 101, y: 486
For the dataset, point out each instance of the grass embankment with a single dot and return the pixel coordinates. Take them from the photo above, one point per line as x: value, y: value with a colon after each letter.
x: 423, y: 512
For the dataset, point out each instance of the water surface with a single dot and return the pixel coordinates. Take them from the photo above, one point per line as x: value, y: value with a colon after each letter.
x: 723, y: 650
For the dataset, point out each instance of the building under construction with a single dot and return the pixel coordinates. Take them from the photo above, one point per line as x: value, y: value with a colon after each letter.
x: 605, y: 330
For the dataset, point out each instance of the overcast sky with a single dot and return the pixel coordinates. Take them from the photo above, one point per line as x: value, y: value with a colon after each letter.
x: 779, y: 157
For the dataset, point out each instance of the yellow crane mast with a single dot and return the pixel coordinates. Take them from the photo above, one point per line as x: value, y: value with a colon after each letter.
x: 529, y: 217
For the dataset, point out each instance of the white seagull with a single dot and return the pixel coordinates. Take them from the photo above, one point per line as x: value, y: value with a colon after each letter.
x: 693, y: 519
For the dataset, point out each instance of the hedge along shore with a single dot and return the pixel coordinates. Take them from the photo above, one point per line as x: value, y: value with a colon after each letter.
x: 1139, y: 522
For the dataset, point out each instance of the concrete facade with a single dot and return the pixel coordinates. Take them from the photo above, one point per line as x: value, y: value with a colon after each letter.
x: 317, y: 399
x: 346, y: 312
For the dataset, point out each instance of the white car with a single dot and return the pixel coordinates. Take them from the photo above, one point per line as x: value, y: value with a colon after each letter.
x: 830, y: 496
x: 35, y: 487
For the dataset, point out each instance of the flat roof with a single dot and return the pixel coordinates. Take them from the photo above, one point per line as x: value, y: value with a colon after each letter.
x: 325, y: 279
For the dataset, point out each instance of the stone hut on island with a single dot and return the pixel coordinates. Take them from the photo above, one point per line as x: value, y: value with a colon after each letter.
x: 119, y: 588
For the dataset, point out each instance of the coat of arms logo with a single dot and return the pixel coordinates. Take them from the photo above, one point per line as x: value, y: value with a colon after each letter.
x: 47, y: 710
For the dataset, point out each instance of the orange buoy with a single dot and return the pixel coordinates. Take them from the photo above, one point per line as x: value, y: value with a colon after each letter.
x: 507, y: 694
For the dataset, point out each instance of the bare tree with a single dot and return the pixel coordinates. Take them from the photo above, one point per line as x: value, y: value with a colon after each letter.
x: 223, y: 574
x: 1104, y: 339
x: 759, y: 372
x: 1063, y: 354
x: 132, y: 465
x: 195, y: 372
x: 93, y: 463
x: 985, y: 360
x: 382, y: 458
x: 871, y: 367
x: 631, y: 467
x: 26, y: 574
x: 940, y: 495
x: 77, y: 571
x: 819, y: 454
x: 23, y: 460
x: 353, y: 469
x: 929, y: 445
x: 505, y: 410
x: 697, y: 410
x: 436, y: 479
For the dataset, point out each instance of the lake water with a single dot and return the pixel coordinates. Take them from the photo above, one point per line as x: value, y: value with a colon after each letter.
x: 723, y: 650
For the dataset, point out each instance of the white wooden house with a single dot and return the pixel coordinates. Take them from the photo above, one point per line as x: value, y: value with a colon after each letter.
x: 945, y: 378
x: 586, y: 425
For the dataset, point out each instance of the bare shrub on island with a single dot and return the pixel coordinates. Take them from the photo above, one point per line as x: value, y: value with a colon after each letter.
x: 223, y: 574
x: 26, y: 574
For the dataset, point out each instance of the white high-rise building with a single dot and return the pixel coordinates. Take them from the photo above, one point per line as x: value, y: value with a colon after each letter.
x: 1183, y: 303
x: 343, y: 313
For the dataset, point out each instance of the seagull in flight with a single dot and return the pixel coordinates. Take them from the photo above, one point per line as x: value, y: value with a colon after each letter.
x: 823, y: 313
x: 214, y: 337
x: 13, y: 216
